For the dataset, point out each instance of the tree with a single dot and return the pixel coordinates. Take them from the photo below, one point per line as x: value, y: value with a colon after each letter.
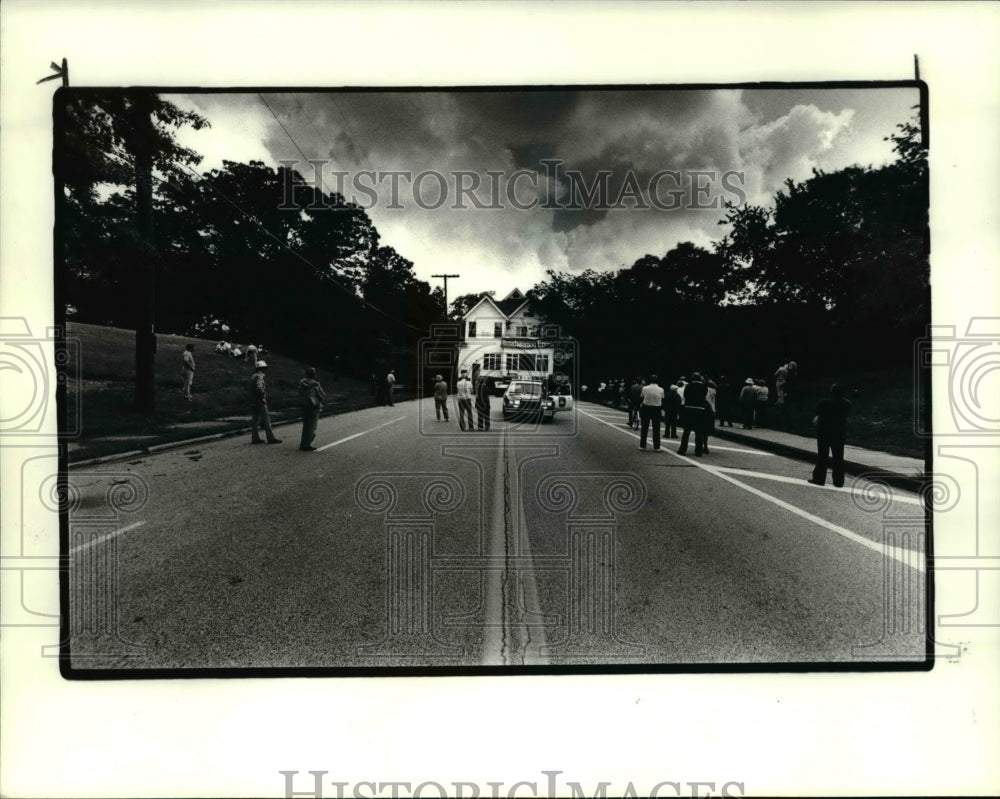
x: 847, y: 247
x: 120, y: 138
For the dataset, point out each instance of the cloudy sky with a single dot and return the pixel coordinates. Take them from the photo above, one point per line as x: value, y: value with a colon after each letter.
x: 693, y: 149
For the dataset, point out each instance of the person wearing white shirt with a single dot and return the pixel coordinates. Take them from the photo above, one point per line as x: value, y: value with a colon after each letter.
x: 650, y: 410
x: 187, y: 370
x: 463, y: 391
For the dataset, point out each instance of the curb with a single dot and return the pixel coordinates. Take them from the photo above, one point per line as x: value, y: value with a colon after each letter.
x: 908, y: 482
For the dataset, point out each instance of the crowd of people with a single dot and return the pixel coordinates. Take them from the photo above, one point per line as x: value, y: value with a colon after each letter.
x: 250, y: 353
x: 692, y: 405
x: 747, y: 402
x: 697, y: 403
x: 467, y: 393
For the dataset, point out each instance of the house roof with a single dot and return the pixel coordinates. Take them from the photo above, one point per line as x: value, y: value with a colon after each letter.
x: 484, y: 298
x: 507, y: 307
x: 510, y: 305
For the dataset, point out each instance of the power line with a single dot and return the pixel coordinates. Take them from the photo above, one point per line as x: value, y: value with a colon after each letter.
x: 350, y: 134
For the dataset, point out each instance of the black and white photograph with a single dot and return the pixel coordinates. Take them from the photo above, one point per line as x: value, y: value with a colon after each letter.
x: 449, y: 399
x: 494, y: 378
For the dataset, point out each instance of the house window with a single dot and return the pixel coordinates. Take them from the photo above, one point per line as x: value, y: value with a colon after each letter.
x: 520, y: 330
x: 497, y: 329
x: 533, y: 331
x: 511, y: 361
x: 472, y: 329
x: 491, y: 361
x: 542, y: 363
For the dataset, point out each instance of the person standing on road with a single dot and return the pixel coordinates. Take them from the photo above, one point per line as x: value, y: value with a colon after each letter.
x: 792, y: 369
x: 258, y: 406
x: 187, y: 370
x: 311, y: 398
x: 634, y: 400
x: 463, y: 390
x: 748, y: 403
x: 650, y: 409
x: 831, y: 435
x: 671, y: 410
x: 693, y: 415
x: 724, y: 402
x: 390, y: 386
x: 483, y: 390
x: 711, y: 392
x: 440, y: 398
x: 762, y: 402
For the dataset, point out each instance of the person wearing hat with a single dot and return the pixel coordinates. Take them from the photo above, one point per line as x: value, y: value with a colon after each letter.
x: 440, y: 398
x: 748, y: 400
x: 311, y: 398
x: 258, y: 406
x: 463, y: 390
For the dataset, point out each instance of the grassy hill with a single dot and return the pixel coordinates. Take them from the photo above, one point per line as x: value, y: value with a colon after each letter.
x: 220, y: 403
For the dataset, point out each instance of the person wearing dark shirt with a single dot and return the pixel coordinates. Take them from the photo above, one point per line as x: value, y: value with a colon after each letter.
x: 831, y: 435
x: 484, y: 388
x: 672, y: 403
x: 311, y: 398
x: 724, y: 402
x: 693, y: 415
x: 634, y: 400
x: 440, y: 398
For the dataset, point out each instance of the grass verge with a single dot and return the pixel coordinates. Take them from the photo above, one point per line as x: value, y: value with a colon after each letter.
x: 103, y: 390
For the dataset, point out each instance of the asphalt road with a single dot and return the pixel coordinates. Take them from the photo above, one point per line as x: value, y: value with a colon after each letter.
x: 403, y: 541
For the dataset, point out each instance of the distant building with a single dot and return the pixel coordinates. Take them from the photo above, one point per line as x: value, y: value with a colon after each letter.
x: 505, y: 339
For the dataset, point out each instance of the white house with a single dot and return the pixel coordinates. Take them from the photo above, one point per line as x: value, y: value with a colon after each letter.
x: 504, y: 338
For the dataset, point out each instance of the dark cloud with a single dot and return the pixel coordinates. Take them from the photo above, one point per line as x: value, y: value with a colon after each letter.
x: 630, y: 134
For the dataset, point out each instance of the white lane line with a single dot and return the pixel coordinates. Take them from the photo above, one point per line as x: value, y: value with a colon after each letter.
x: 904, y: 556
x: 801, y: 481
x: 102, y: 538
x: 624, y: 424
x: 362, y: 433
x: 745, y: 451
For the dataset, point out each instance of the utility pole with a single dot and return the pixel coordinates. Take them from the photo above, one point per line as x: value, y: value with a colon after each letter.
x: 445, y: 277
x: 141, y: 146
